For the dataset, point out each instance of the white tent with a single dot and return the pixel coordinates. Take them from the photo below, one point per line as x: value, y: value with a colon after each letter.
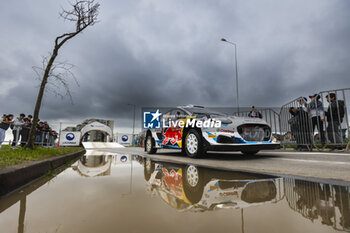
x: 96, y: 126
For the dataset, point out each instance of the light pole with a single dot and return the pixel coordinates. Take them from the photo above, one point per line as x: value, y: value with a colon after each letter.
x: 133, y: 124
x: 224, y: 40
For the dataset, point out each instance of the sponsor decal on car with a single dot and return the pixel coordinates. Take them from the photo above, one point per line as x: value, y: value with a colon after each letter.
x: 226, y: 131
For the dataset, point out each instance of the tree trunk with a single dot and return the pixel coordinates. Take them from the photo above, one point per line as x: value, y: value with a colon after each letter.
x: 31, y: 139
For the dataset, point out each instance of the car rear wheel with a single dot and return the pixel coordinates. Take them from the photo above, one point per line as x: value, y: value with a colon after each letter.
x: 150, y: 147
x: 193, y: 144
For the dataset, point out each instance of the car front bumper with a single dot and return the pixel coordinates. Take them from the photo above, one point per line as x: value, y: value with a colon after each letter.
x: 244, y: 147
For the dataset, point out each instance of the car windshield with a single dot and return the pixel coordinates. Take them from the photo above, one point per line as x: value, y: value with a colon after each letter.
x: 202, y: 112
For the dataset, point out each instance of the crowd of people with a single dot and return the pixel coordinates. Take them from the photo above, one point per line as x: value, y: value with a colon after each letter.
x: 311, y: 115
x: 21, y: 126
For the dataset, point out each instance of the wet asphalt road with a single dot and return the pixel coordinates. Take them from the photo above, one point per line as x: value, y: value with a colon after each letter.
x: 315, y: 166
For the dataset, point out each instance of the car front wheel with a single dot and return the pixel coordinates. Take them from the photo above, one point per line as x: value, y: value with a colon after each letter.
x: 150, y: 147
x: 193, y: 144
x: 193, y: 183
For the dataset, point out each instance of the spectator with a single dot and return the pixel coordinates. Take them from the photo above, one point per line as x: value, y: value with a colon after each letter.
x: 4, y: 125
x: 335, y: 114
x: 25, y: 131
x: 3, y: 118
x: 38, y: 132
x: 46, y: 132
x: 53, y: 137
x: 317, y: 116
x: 300, y: 126
x: 254, y: 113
x: 16, y: 130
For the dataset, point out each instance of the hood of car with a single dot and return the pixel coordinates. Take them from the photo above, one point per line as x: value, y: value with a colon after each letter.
x: 239, y: 120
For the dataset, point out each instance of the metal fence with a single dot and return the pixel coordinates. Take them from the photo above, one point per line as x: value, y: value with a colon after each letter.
x: 45, y: 139
x: 322, y: 122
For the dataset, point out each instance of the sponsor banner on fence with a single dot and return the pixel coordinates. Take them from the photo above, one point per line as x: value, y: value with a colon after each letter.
x: 69, y: 138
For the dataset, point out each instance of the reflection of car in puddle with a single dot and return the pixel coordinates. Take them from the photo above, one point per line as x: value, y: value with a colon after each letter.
x: 197, y: 188
x: 91, y: 165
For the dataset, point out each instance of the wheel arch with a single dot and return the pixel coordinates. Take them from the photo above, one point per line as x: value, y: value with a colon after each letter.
x: 185, y: 130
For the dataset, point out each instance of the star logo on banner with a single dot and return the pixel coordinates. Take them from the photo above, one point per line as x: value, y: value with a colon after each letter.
x: 156, y: 115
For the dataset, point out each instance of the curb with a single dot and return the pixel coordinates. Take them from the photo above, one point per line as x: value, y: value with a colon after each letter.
x: 14, y: 177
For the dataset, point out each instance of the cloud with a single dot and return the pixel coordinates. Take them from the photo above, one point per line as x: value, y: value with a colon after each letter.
x: 168, y: 53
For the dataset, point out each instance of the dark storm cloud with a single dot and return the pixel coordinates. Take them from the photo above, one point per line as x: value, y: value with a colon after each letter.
x: 161, y: 53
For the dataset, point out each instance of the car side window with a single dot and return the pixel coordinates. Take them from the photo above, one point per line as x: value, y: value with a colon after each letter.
x: 178, y: 114
x: 166, y: 116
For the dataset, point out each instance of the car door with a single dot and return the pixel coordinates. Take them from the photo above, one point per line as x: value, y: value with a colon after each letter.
x: 166, y: 121
x: 172, y: 131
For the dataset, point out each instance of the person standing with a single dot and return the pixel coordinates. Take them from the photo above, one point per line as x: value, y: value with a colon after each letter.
x: 16, y: 131
x: 335, y: 114
x: 317, y: 116
x: 25, y: 131
x: 254, y: 113
x: 300, y: 126
x: 39, y: 132
x: 4, y: 125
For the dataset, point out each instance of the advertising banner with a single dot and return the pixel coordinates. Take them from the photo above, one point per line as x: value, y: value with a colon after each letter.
x: 69, y: 138
x: 125, y: 139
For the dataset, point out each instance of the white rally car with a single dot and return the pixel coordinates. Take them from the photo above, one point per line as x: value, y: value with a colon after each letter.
x: 196, y: 130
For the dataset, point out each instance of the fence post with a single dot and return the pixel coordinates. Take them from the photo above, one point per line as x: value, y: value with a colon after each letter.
x: 17, y: 137
x: 347, y: 122
x: 42, y: 138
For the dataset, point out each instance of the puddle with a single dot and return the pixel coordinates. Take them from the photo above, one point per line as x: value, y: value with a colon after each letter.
x: 110, y: 192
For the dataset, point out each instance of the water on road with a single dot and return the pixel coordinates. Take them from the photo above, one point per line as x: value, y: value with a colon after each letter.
x: 110, y: 192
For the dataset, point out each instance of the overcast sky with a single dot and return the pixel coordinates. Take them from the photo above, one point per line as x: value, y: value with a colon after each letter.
x: 168, y: 53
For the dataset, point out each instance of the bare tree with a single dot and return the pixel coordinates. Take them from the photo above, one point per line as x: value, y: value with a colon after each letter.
x: 83, y: 14
x: 59, y: 76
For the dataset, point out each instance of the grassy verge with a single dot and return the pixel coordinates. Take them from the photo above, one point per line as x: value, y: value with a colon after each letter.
x: 10, y: 157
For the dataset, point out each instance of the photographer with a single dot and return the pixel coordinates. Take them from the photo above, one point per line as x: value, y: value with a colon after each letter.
x: 300, y: 126
x: 25, y: 131
x: 335, y: 115
x: 4, y: 125
x: 254, y: 113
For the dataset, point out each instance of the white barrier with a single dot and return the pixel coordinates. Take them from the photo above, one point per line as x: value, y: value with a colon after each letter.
x: 101, y: 145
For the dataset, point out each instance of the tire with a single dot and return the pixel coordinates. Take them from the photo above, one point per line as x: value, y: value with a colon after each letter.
x: 150, y: 145
x: 193, y: 182
x: 148, y: 168
x: 193, y: 144
x: 249, y: 152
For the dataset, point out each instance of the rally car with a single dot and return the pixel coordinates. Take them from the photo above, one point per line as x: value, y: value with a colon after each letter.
x: 196, y: 130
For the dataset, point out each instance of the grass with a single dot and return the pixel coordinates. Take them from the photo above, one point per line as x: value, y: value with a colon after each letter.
x: 10, y: 157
